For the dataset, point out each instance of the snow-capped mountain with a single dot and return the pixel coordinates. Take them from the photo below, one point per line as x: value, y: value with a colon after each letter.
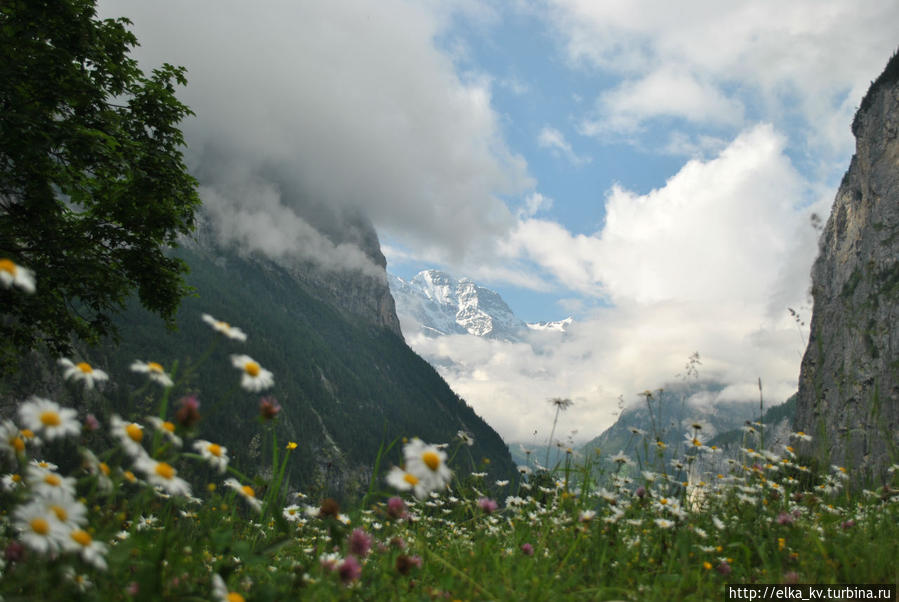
x: 559, y: 325
x: 438, y: 304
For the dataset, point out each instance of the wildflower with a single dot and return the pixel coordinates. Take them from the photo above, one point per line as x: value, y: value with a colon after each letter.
x: 226, y: 329
x: 405, y: 481
x: 220, y: 591
x: 291, y: 445
x: 695, y: 440
x: 840, y: 472
x: 82, y: 371
x: 162, y: 475
x: 502, y: 483
x: 215, y: 454
x: 785, y: 518
x: 12, y: 482
x: 621, y: 458
x: 359, y: 542
x: 146, y: 522
x: 154, y: 370
x: 129, y: 434
x: 635, y: 431
x: 188, y: 413
x: 664, y: 523
x: 527, y: 549
x: 91, y: 551
x: 91, y: 423
x: 166, y: 428
x: 39, y: 527
x: 465, y: 438
x: 428, y: 463
x: 640, y: 492
x: 586, y: 516
x: 255, y: 377
x: 291, y: 513
x: 44, y: 481
x: 269, y: 408
x: 11, y: 441
x: 246, y: 492
x: 69, y: 511
x: 724, y: 568
x: 12, y: 274
x: 349, y: 570
x: 47, y: 418
x: 524, y: 470
x: 405, y: 563
x: 487, y: 505
x: 801, y: 436
x: 396, y: 508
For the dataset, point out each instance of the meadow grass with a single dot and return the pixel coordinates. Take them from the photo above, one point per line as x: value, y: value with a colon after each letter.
x: 91, y: 517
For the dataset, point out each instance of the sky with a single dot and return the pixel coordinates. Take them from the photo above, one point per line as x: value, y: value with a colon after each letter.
x: 649, y: 168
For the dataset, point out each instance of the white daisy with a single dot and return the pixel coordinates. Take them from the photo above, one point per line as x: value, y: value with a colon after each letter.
x: 428, y: 463
x: 129, y: 434
x: 220, y: 591
x: 293, y: 514
x: 12, y: 274
x: 246, y: 492
x: 154, y: 370
x: 255, y: 377
x: 82, y: 371
x: 401, y: 480
x: 213, y: 453
x: 162, y: 475
x: 465, y: 438
x: 48, y: 419
x: 91, y: 551
x: 226, y: 329
x: 39, y: 527
x: 664, y: 523
x: 11, y: 441
x: 166, y: 428
x: 46, y: 482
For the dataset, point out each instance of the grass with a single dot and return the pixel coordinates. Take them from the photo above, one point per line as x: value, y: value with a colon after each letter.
x: 595, y: 528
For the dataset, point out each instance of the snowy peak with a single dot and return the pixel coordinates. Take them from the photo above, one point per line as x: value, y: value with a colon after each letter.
x: 558, y: 325
x: 440, y: 304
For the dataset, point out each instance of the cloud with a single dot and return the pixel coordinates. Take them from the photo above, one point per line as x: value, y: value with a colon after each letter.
x: 803, y: 59
x: 554, y: 140
x: 338, y: 105
x: 710, y: 262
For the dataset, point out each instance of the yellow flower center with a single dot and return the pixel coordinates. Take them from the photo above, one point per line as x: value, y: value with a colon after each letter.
x: 104, y: 468
x: 50, y: 418
x: 52, y: 479
x: 431, y: 460
x: 165, y: 471
x: 135, y: 433
x: 17, y: 444
x: 252, y: 368
x: 235, y: 597
x: 663, y: 501
x: 40, y: 526
x: 85, y: 367
x: 168, y: 426
x: 82, y: 537
x: 696, y: 443
x: 60, y: 513
x: 17, y: 478
x: 129, y: 476
x: 248, y: 491
x: 411, y: 479
x: 154, y: 367
x: 215, y: 450
x: 223, y: 325
x: 7, y: 266
x: 27, y: 433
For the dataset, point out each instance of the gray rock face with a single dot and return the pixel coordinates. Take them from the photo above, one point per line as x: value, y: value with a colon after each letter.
x: 849, y: 381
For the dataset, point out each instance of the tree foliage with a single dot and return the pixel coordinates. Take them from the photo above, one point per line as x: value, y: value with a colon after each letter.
x: 93, y: 187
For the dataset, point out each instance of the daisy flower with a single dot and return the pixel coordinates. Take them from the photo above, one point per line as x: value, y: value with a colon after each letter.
x: 11, y: 441
x: 246, y: 492
x: 213, y: 453
x: 220, y: 591
x: 255, y: 377
x: 162, y: 475
x: 91, y: 551
x: 45, y: 482
x: 465, y: 438
x: 39, y: 527
x: 166, y: 428
x: 401, y: 480
x: 154, y: 370
x: 427, y: 463
x: 664, y: 523
x: 622, y: 458
x: 292, y: 513
x: 82, y: 371
x: 129, y: 434
x: 695, y: 439
x: 48, y: 419
x: 12, y: 274
x: 226, y: 329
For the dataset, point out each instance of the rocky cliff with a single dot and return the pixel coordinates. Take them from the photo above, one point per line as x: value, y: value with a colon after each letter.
x: 849, y: 381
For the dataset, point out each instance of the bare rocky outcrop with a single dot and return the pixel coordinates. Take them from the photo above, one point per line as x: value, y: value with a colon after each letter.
x: 849, y: 381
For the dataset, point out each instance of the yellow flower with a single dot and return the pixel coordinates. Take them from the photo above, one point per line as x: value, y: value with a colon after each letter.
x: 291, y: 445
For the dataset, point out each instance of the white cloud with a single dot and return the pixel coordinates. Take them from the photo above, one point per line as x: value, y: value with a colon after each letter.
x: 554, y: 140
x: 340, y: 104
x: 709, y: 262
x: 803, y: 58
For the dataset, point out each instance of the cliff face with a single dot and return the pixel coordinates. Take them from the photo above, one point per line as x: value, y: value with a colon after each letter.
x: 849, y: 381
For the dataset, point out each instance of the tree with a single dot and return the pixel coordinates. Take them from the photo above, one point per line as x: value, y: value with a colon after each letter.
x: 93, y: 187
